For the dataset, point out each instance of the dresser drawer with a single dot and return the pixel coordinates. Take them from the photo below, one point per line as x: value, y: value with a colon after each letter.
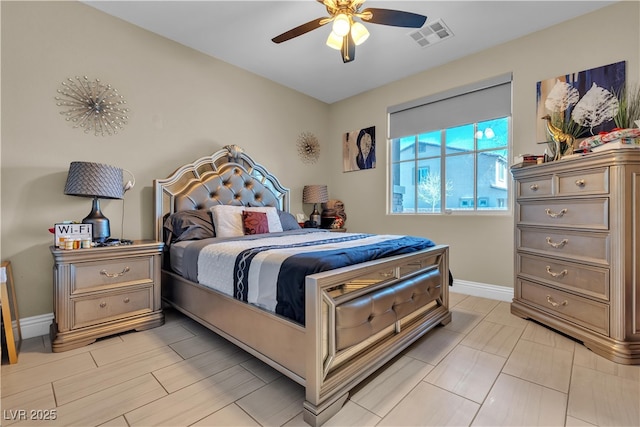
x: 584, y: 182
x: 104, y: 274
x: 578, y: 278
x: 540, y: 186
x: 587, y: 213
x: 582, y: 311
x: 110, y: 306
x: 569, y: 245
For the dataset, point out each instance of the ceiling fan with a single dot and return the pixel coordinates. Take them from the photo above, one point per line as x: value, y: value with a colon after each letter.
x: 347, y: 33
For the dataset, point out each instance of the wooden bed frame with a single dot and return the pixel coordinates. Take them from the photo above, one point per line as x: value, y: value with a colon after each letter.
x: 357, y: 317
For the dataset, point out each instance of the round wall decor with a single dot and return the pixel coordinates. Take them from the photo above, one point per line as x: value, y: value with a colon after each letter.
x: 308, y: 147
x: 92, y: 105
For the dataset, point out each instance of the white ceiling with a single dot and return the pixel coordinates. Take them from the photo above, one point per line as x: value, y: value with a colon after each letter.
x: 240, y: 32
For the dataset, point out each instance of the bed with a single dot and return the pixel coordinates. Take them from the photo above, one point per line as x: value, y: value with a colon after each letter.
x: 355, y: 317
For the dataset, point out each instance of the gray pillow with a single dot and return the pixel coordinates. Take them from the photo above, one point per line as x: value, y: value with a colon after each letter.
x: 288, y: 221
x: 189, y: 225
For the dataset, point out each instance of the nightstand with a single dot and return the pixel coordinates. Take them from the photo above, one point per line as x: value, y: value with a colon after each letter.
x: 102, y: 291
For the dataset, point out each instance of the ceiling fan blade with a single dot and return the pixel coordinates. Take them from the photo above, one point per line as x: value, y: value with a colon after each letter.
x: 397, y: 18
x: 348, y: 50
x: 300, y: 30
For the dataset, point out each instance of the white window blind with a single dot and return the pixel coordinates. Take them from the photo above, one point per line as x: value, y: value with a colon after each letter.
x: 476, y: 102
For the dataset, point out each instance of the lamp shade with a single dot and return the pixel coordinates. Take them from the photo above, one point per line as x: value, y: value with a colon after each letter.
x: 315, y: 194
x: 359, y: 33
x: 334, y: 41
x: 86, y: 179
x: 341, y: 25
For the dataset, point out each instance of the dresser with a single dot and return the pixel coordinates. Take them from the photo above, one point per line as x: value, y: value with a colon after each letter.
x: 104, y: 290
x: 577, y: 249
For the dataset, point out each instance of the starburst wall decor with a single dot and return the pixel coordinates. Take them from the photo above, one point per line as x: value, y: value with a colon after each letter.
x: 92, y: 105
x: 308, y: 147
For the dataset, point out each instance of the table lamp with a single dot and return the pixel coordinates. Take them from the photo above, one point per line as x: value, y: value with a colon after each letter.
x: 100, y: 181
x: 315, y: 194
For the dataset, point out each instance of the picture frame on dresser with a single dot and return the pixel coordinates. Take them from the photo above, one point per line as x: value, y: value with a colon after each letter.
x: 577, y: 243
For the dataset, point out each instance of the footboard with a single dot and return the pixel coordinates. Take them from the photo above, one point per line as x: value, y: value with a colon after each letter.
x: 359, y: 318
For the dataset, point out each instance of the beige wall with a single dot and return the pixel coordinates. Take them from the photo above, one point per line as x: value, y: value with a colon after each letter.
x: 481, y: 246
x: 185, y: 105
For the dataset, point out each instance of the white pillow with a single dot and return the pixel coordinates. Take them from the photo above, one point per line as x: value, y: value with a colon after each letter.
x: 227, y: 220
x: 272, y: 217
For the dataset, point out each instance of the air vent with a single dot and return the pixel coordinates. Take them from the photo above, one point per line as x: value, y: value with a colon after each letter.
x: 431, y: 33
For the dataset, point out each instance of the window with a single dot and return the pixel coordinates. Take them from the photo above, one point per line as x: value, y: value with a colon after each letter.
x: 450, y: 154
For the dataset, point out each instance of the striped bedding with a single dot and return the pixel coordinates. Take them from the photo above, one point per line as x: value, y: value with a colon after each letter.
x: 269, y: 271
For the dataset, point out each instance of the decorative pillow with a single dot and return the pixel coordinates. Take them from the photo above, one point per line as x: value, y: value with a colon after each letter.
x: 255, y: 222
x: 288, y: 221
x: 189, y: 225
x: 272, y: 217
x: 227, y: 220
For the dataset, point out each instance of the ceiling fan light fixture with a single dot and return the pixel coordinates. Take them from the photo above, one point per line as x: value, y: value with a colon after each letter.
x: 334, y: 41
x: 359, y: 33
x: 341, y: 25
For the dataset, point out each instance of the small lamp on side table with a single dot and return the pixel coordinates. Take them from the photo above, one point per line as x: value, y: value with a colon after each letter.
x: 99, y: 181
x: 315, y: 194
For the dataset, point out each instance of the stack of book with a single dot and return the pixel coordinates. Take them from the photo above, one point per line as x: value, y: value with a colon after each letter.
x: 526, y: 160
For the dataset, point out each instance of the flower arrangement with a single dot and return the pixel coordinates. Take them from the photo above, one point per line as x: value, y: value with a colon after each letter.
x: 629, y: 112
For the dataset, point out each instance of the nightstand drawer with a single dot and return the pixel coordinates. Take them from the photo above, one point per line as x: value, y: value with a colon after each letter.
x: 584, y: 182
x: 104, y: 274
x: 110, y: 306
x: 590, y: 213
x: 589, y: 314
x: 578, y: 278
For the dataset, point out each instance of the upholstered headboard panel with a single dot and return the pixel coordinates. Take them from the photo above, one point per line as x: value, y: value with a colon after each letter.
x: 228, y: 177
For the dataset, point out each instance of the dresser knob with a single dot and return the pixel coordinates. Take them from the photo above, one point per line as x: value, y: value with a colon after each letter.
x: 556, y: 275
x: 126, y: 300
x: 557, y: 244
x: 103, y: 304
x: 553, y: 214
x: 556, y: 304
x: 580, y: 182
x: 113, y: 275
x: 534, y: 187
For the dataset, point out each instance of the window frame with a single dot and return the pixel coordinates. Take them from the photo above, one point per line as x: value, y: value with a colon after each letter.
x: 442, y: 158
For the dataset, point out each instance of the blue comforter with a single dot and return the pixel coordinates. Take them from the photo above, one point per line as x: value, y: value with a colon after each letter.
x: 300, y: 258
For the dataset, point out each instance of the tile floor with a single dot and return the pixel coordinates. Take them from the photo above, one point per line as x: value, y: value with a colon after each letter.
x: 486, y: 368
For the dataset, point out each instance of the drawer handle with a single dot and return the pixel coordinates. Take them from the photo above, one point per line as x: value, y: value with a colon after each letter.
x: 103, y: 304
x: 558, y: 244
x: 557, y: 275
x: 553, y: 214
x: 555, y: 304
x: 580, y: 182
x: 112, y: 275
x: 126, y: 300
x: 534, y: 187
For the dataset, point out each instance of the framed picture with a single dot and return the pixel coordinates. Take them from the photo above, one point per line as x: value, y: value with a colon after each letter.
x: 582, y: 103
x: 359, y: 149
x: 10, y: 318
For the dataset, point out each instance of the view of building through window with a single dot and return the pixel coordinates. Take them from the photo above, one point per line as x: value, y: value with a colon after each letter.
x: 463, y: 168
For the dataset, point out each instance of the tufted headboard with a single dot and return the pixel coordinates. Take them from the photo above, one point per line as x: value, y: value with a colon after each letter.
x: 228, y: 177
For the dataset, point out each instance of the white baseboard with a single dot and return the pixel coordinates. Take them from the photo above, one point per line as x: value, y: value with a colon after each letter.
x: 500, y: 293
x: 36, y: 326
